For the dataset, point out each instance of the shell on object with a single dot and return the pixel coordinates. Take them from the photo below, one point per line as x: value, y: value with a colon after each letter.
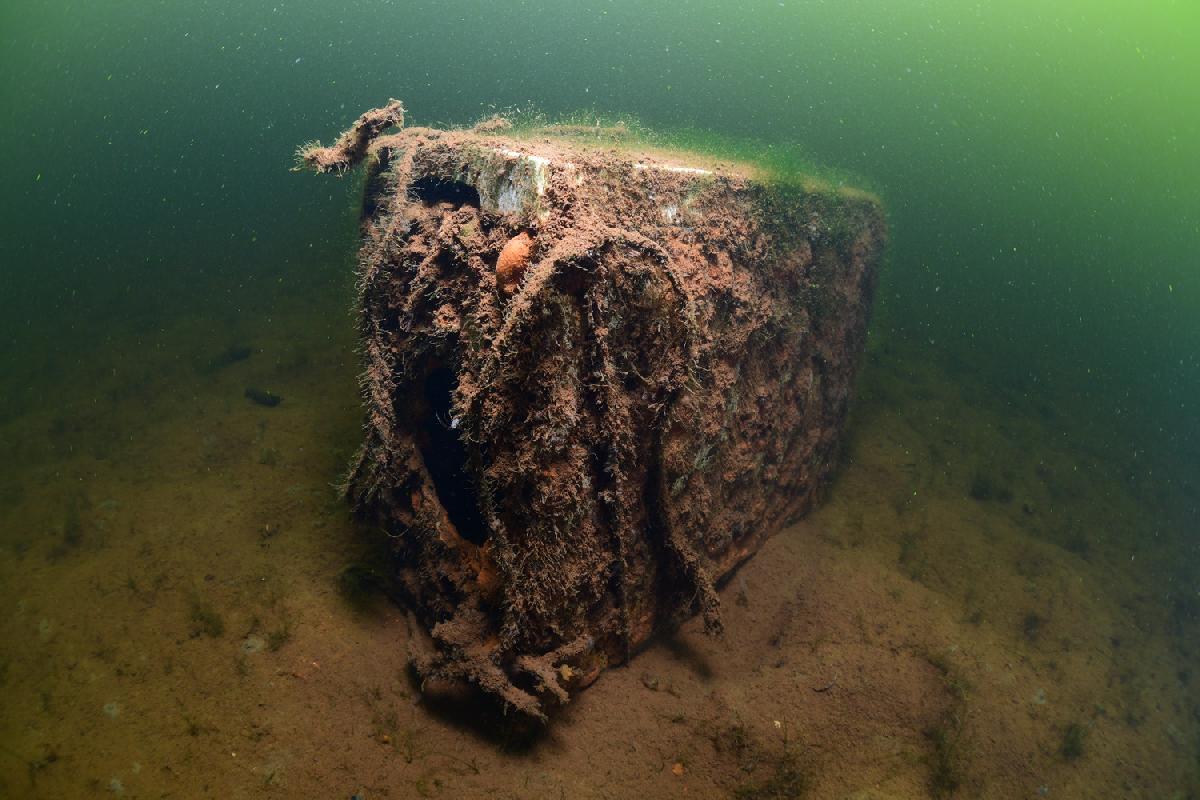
x: 513, y: 260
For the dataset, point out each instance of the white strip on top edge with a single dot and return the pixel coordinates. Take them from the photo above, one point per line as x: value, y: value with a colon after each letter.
x: 672, y: 168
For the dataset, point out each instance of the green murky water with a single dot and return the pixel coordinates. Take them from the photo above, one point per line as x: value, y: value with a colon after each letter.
x: 1040, y: 163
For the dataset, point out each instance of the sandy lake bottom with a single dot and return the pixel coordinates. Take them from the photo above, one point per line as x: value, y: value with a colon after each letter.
x: 985, y: 605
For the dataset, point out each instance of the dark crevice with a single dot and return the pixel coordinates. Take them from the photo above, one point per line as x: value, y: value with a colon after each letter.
x: 445, y: 457
x: 669, y: 577
x: 432, y: 191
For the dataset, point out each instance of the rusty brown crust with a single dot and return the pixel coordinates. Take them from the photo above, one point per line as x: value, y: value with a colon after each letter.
x: 351, y: 146
x: 662, y: 389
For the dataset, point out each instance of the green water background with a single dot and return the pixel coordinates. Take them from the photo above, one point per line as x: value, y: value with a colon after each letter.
x: 1040, y: 163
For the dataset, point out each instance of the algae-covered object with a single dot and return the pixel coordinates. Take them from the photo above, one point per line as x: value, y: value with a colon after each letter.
x: 597, y: 377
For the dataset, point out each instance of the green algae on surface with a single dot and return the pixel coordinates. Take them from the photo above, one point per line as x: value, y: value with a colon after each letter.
x: 788, y: 164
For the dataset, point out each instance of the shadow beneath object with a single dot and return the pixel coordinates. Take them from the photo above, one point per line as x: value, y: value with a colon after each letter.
x: 685, y: 653
x: 366, y: 582
x: 482, y: 715
x: 364, y: 591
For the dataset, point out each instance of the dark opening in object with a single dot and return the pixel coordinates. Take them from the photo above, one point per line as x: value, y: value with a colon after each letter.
x: 432, y: 191
x: 446, y: 458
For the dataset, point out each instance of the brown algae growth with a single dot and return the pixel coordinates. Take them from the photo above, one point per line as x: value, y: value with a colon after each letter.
x: 595, y: 382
